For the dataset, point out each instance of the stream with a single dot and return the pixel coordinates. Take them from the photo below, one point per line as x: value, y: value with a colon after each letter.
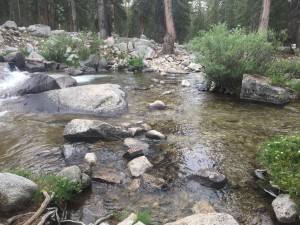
x: 203, y: 130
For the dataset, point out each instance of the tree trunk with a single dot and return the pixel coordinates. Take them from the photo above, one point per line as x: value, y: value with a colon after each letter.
x: 169, y: 39
x: 102, y: 19
x: 264, y: 19
x: 74, y: 16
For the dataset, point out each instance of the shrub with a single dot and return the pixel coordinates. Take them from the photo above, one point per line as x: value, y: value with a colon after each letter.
x: 63, y: 188
x: 144, y: 217
x: 227, y: 55
x: 281, y: 158
x: 136, y: 62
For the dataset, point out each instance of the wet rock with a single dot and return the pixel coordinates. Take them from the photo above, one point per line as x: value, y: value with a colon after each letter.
x: 16, y: 59
x: 74, y: 72
x: 129, y: 220
x: 15, y: 192
x: 108, y: 175
x: 64, y: 81
x: 10, y: 25
x: 132, y: 142
x: 138, y: 166
x: 97, y: 62
x: 135, y: 184
x: 74, y: 174
x: 90, y: 159
x: 167, y: 92
x: 74, y: 153
x: 258, y: 88
x: 285, y: 209
x: 154, y: 181
x: 154, y: 134
x: 260, y: 174
x: 134, y: 152
x: 185, y: 83
x: 139, y: 223
x: 33, y: 67
x: 91, y: 130
x: 135, y: 130
x: 206, y: 219
x: 101, y: 100
x: 36, y: 84
x: 203, y: 207
x: 157, y: 105
x: 210, y: 178
x: 175, y: 71
x: 39, y: 30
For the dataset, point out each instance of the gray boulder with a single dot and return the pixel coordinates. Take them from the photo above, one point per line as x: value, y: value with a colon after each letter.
x: 135, y: 147
x: 74, y: 174
x: 74, y: 153
x: 63, y: 80
x: 143, y: 51
x: 210, y: 178
x: 258, y: 88
x: 154, y: 134
x: 285, y: 209
x: 16, y: 59
x: 206, y: 219
x: 92, y: 130
x: 36, y: 84
x: 101, y: 100
x: 138, y: 166
x: 97, y: 62
x: 34, y: 67
x: 39, y: 30
x: 143, y: 42
x: 15, y: 192
x: 35, y: 56
x: 10, y: 25
x: 108, y: 174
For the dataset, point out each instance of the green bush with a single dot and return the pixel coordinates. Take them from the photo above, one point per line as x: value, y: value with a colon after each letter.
x: 227, y: 55
x: 136, y: 62
x: 144, y: 217
x: 281, y: 158
x: 63, y: 188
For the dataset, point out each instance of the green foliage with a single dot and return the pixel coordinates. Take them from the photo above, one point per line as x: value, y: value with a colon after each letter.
x: 281, y: 158
x: 136, y: 62
x: 24, y: 52
x: 144, y: 217
x: 227, y: 55
x: 63, y: 188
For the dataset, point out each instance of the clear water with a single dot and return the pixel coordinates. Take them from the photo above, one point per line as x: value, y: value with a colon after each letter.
x: 203, y: 130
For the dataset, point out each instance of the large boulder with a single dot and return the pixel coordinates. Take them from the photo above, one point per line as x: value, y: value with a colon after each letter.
x: 15, y: 192
x: 10, y: 25
x: 258, y: 88
x: 285, y: 209
x: 63, y: 80
x: 102, y: 100
x: 33, y: 67
x: 92, y: 130
x: 36, y: 84
x: 39, y: 30
x: 16, y: 59
x: 206, y: 219
x: 97, y: 62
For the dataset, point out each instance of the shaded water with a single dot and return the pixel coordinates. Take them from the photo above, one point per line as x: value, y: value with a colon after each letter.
x: 203, y: 130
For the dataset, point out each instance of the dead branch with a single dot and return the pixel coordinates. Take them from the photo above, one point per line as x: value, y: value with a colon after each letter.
x: 44, y: 205
x: 45, y: 217
x: 100, y: 220
x: 72, y: 221
x: 15, y: 218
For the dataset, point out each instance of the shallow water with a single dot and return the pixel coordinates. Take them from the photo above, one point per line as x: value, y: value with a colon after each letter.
x: 203, y: 130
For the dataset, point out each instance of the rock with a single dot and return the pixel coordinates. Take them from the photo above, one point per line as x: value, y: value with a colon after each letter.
x: 143, y: 51
x: 101, y: 100
x: 97, y: 62
x: 258, y: 88
x: 92, y: 130
x: 139, y: 223
x: 2, y: 40
x: 175, y: 71
x: 39, y: 30
x: 129, y: 220
x: 73, y: 173
x: 122, y: 47
x: 57, y: 32
x: 90, y: 159
x: 206, y: 219
x: 17, y: 59
x: 143, y: 37
x: 260, y: 174
x: 15, y: 192
x: 153, y: 181
x: 64, y: 81
x: 135, y: 184
x: 30, y: 47
x: 138, y: 166
x: 35, y: 56
x: 10, y: 25
x: 285, y: 209
x: 74, y: 153
x: 132, y: 142
x: 186, y: 62
x: 36, y: 84
x: 185, y: 83
x: 33, y: 67
x: 195, y: 67
x: 74, y: 72
x: 108, y: 175
x: 143, y: 42
x: 203, y: 207
x: 135, y: 130
x: 157, y: 105
x: 153, y: 134
x: 210, y: 178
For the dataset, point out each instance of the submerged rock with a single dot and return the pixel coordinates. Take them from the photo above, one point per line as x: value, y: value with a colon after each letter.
x: 74, y: 153
x: 285, y: 209
x: 92, y: 130
x: 154, y: 181
x: 258, y: 88
x: 206, y: 219
x: 108, y: 175
x: 210, y: 178
x: 101, y: 100
x: 15, y: 192
x: 203, y: 207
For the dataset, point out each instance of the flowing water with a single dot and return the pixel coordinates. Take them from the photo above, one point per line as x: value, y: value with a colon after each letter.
x: 203, y: 130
